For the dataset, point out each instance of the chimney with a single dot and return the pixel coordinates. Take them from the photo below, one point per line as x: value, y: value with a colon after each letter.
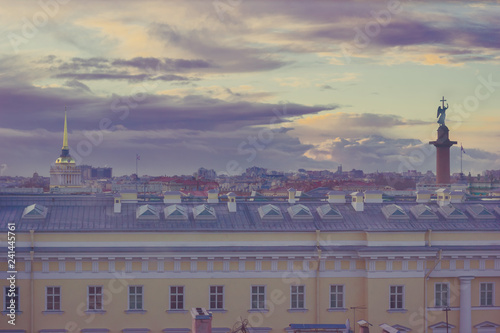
x: 357, y: 201
x: 173, y: 197
x: 117, y: 206
x: 213, y: 196
x: 336, y: 197
x: 231, y: 203
x: 423, y: 196
x: 364, y: 326
x: 202, y: 321
x: 388, y: 329
x: 291, y: 195
x: 443, y: 197
x: 373, y: 196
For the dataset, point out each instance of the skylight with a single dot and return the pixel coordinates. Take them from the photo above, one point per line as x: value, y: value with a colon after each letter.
x: 270, y: 212
x: 299, y: 212
x: 147, y: 212
x: 35, y: 211
x: 479, y: 212
x: 327, y: 212
x: 204, y: 212
x: 175, y: 212
x: 394, y: 212
x: 452, y: 213
x: 423, y: 212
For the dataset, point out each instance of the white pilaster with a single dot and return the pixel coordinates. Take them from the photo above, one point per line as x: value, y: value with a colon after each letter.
x: 274, y: 264
x: 337, y: 265
x: 62, y: 265
x: 465, y: 304
x: 160, y: 265
x: 177, y: 265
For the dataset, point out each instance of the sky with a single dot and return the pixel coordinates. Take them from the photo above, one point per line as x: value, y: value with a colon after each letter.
x: 229, y: 84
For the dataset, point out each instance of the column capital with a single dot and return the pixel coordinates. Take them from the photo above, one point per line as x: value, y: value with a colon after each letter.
x: 466, y: 279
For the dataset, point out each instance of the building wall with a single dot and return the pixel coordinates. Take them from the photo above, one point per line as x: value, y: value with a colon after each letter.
x: 366, y: 277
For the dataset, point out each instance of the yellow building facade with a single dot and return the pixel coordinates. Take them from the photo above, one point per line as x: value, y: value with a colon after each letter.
x: 116, y: 264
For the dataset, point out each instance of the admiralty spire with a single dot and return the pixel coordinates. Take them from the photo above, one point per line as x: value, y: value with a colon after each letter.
x: 64, y: 173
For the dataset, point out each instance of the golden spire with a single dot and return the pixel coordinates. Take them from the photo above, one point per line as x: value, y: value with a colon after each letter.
x: 65, y: 137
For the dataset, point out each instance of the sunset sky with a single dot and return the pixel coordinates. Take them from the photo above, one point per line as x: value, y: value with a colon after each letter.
x: 228, y: 84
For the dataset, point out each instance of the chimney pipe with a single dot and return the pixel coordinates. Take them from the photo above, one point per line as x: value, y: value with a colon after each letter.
x: 291, y: 195
x: 202, y: 321
x: 231, y: 203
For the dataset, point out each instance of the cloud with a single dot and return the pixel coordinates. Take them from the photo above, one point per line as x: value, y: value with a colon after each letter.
x: 380, y: 153
x: 122, y: 76
x: 77, y: 85
x: 325, y: 87
x: 229, y: 57
x: 166, y: 64
x: 317, y: 127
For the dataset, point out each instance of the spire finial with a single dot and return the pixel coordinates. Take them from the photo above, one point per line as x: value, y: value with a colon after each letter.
x: 65, y: 137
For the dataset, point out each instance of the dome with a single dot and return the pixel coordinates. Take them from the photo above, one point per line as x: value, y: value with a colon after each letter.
x: 65, y: 159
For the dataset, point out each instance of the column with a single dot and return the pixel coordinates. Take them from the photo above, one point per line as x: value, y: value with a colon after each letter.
x: 465, y: 304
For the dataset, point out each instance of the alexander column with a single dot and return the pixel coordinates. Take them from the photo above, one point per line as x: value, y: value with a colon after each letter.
x: 442, y: 145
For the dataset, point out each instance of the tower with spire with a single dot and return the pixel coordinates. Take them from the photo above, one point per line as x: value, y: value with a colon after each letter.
x: 64, y: 173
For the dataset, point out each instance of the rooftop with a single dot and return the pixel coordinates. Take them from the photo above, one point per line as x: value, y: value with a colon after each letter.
x: 66, y: 213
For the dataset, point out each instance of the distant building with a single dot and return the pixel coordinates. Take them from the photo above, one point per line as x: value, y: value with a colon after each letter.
x: 255, y: 172
x: 356, y: 173
x: 99, y: 173
x: 64, y: 173
x: 206, y: 174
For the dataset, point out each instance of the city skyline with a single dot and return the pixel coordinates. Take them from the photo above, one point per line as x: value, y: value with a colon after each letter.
x: 231, y: 84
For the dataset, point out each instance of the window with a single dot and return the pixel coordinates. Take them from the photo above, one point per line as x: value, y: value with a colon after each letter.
x: 396, y: 297
x: 176, y: 298
x: 336, y: 296
x: 297, y: 297
x: 53, y: 297
x: 135, y: 298
x: 11, y: 295
x: 216, y: 297
x: 486, y: 290
x: 95, y: 298
x: 258, y: 297
x: 441, y: 294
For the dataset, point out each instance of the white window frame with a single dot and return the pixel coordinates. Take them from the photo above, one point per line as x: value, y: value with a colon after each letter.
x: 177, y: 294
x: 297, y: 293
x: 447, y: 294
x: 136, y: 294
x: 52, y: 295
x: 396, y: 295
x: 216, y: 294
x: 95, y: 294
x: 258, y: 286
x: 18, y: 298
x: 337, y: 293
x: 492, y: 293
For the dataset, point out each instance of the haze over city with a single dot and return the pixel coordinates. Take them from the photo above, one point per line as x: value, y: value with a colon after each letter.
x: 231, y: 84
